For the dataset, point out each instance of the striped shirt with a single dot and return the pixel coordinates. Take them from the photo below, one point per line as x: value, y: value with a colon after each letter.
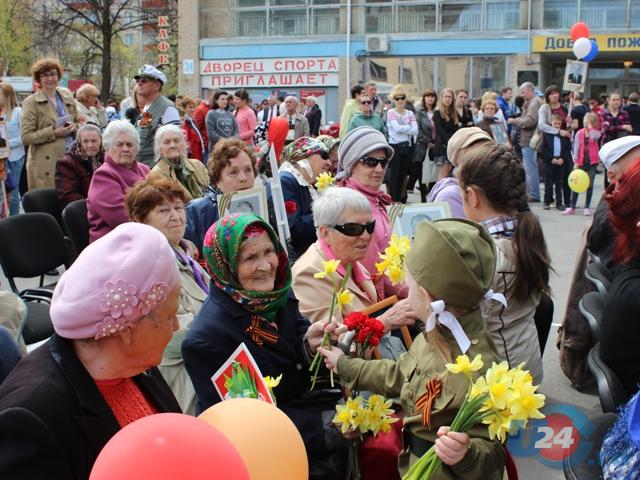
x: 401, y: 128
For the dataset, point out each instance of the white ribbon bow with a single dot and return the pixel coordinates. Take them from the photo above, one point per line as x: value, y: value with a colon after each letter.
x: 449, y: 320
x: 498, y: 297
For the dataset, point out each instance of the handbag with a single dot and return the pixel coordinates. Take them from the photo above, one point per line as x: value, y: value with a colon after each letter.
x: 536, y: 140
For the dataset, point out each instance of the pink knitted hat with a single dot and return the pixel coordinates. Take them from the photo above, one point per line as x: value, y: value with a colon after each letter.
x: 116, y: 280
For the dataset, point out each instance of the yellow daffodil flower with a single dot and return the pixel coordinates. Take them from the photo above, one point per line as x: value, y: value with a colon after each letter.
x: 463, y: 365
x: 344, y: 297
x: 324, y: 181
x: 272, y: 382
x: 395, y: 274
x: 499, y: 424
x: 343, y: 418
x: 329, y: 267
x: 401, y: 244
x: 479, y: 388
x: 528, y: 406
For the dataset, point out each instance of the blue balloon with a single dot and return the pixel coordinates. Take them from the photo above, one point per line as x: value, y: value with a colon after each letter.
x: 594, y: 51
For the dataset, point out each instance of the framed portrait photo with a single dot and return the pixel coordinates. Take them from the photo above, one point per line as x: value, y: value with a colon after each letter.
x: 406, y: 218
x: 253, y: 201
x: 500, y: 134
x: 575, y: 76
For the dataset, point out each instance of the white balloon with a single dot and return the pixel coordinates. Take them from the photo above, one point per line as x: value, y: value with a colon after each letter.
x: 581, y: 47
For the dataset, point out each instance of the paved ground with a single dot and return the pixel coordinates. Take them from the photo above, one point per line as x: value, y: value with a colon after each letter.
x: 562, y: 234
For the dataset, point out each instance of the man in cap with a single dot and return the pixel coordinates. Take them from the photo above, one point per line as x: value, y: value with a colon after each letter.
x: 617, y: 156
x: 158, y: 110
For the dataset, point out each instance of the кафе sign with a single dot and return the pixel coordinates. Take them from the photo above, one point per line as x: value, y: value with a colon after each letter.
x: 270, y: 72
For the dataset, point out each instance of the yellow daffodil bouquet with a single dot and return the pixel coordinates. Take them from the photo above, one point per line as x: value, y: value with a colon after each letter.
x: 341, y: 297
x: 392, y: 264
x: 324, y: 181
x: 358, y: 417
x: 504, y: 399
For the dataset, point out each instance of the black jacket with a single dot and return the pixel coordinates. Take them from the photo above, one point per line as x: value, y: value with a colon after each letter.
x: 620, y: 330
x: 53, y: 419
x: 547, y: 148
x: 314, y: 117
x: 633, y: 109
x: 220, y: 328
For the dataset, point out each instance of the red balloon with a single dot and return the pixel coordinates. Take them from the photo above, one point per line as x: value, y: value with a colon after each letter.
x: 579, y: 30
x: 277, y: 134
x: 169, y: 446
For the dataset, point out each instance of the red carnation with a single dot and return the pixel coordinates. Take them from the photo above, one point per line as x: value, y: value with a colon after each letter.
x: 355, y: 320
x: 290, y: 207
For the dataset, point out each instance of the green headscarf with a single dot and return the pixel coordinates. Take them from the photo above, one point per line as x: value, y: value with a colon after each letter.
x: 185, y: 177
x: 221, y: 249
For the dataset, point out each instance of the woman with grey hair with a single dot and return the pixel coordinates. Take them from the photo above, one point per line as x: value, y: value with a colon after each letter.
x: 75, y: 170
x: 170, y: 149
x: 110, y: 182
x: 345, y: 227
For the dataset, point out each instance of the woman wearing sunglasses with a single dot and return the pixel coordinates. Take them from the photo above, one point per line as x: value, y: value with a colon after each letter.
x: 403, y: 130
x: 363, y: 158
x: 302, y: 161
x: 345, y: 229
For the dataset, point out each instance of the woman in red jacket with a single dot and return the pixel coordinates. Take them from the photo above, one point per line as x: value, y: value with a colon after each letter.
x: 195, y: 142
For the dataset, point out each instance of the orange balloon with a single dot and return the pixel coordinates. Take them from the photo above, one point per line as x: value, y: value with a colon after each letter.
x: 268, y: 442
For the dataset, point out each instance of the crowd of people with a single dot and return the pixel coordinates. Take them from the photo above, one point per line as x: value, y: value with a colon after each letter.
x: 171, y: 280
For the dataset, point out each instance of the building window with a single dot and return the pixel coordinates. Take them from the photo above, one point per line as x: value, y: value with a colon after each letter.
x: 488, y: 73
x: 600, y: 15
x: 128, y: 39
x: 560, y: 14
x: 416, y: 18
x: 288, y: 22
x: 379, y: 20
x: 326, y: 21
x: 461, y: 17
x: 252, y: 24
x: 502, y: 15
x: 377, y: 72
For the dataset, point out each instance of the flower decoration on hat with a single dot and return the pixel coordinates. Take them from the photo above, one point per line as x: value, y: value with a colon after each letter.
x: 118, y: 299
x: 154, y: 296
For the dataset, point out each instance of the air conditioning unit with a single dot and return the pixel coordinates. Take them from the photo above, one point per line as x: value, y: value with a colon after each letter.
x: 377, y: 44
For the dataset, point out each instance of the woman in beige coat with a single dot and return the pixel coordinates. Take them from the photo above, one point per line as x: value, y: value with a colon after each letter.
x: 48, y: 122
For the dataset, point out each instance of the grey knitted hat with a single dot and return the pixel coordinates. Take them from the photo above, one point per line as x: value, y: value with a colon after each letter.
x: 357, y: 144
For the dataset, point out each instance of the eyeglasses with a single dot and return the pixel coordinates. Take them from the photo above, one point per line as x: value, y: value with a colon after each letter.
x: 400, y: 97
x: 355, y: 229
x: 53, y: 74
x: 372, y: 162
x: 366, y: 102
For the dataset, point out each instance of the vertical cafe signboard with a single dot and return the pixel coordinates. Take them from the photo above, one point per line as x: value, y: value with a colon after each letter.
x: 163, y: 40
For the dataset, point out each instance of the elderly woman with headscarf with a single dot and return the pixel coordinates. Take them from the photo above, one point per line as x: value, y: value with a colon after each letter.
x: 170, y: 150
x: 250, y: 302
x: 160, y: 203
x: 119, y: 172
x: 364, y: 156
x: 75, y: 171
x: 302, y: 161
x: 332, y: 145
x: 113, y: 311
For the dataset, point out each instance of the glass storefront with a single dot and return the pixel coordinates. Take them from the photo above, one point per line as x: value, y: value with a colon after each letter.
x: 475, y: 74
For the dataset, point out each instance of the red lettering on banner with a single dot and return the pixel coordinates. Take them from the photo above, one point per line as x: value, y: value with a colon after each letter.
x: 260, y: 80
x: 207, y: 68
x: 299, y: 80
x: 163, y: 46
x: 163, y: 21
x: 163, y: 59
x: 277, y: 66
x: 236, y: 66
x: 163, y: 34
x: 332, y: 65
x: 323, y: 78
x: 311, y: 78
x: 272, y: 80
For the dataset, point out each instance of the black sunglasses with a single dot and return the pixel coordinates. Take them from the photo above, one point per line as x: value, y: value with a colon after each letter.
x: 366, y: 102
x: 355, y: 229
x: 400, y: 97
x: 372, y: 162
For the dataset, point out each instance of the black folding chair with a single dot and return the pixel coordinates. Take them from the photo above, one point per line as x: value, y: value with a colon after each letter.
x: 591, y: 306
x: 37, y: 325
x: 588, y: 470
x: 611, y: 392
x: 31, y: 245
x: 42, y: 200
x: 74, y: 217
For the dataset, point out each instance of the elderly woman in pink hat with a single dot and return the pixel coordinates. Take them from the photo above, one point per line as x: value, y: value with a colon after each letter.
x: 114, y: 311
